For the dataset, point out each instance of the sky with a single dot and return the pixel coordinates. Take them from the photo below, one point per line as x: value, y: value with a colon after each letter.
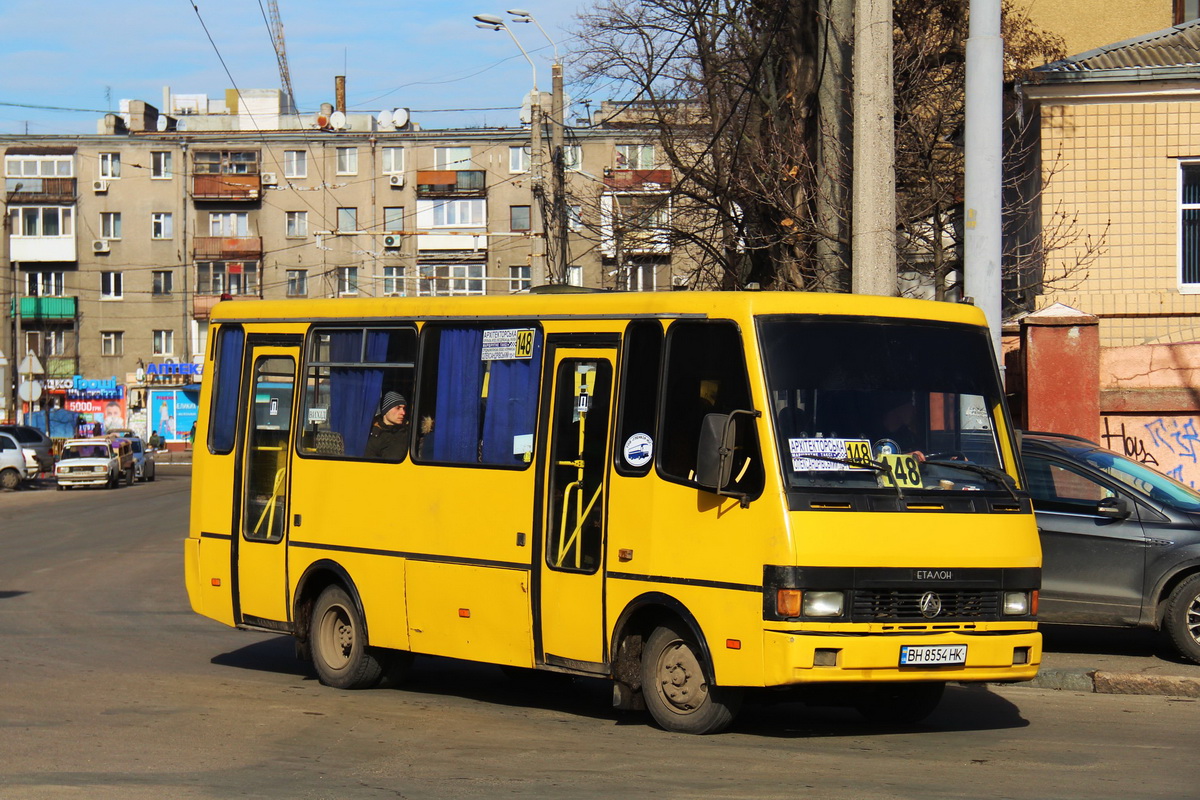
x: 425, y: 55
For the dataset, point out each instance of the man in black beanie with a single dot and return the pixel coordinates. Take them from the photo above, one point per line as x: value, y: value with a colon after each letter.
x: 388, y: 438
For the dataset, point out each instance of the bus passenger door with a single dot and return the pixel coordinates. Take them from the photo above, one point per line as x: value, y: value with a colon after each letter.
x: 262, y: 586
x: 571, y: 595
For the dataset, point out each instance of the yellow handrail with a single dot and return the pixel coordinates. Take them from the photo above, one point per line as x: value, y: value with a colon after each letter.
x: 269, y: 508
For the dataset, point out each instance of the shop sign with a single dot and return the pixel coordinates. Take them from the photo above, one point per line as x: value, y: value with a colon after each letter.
x: 173, y: 369
x: 83, y: 389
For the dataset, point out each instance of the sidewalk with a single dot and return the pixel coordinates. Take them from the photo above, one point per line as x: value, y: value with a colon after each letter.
x: 1113, y: 661
x: 172, y: 456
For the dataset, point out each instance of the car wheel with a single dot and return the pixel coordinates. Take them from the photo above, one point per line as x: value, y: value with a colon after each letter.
x: 898, y: 703
x: 339, y: 644
x: 1182, y: 621
x: 153, y: 470
x: 130, y: 476
x: 10, y: 479
x: 676, y: 689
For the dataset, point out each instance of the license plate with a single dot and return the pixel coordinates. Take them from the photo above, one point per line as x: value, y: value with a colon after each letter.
x: 912, y: 655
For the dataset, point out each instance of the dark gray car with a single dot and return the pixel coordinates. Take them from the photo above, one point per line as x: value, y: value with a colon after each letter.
x: 1120, y: 541
x: 39, y: 456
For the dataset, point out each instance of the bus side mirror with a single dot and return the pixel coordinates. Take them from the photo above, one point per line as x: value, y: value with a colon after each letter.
x: 714, y: 455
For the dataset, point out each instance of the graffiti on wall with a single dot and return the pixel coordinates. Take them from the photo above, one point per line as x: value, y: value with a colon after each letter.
x: 1170, y: 444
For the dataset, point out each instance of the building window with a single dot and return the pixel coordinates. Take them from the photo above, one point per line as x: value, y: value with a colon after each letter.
x: 393, y: 281
x: 111, y: 286
x: 635, y: 156
x: 297, y: 283
x: 453, y: 158
x: 393, y: 160
x: 44, y: 284
x: 295, y: 164
x: 297, y: 223
x: 164, y: 343
x: 1189, y: 227
x: 445, y: 280
x: 227, y: 277
x: 110, y: 166
x: 347, y: 161
x: 347, y: 278
x: 451, y: 214
x: 575, y: 218
x: 347, y: 220
x: 518, y: 279
x: 160, y: 165
x: 110, y: 224
x: 518, y: 159
x: 518, y: 218
x: 226, y: 162
x: 46, y: 343
x: 161, y: 225
x: 36, y: 167
x: 229, y: 224
x: 639, y: 278
x: 164, y: 281
x: 36, y: 221
x: 573, y: 156
x: 393, y: 219
x: 574, y: 275
x: 112, y: 343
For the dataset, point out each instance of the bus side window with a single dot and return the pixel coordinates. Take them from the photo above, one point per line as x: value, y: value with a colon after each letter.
x: 222, y: 429
x: 479, y: 394
x: 641, y: 362
x: 706, y: 374
x: 349, y: 372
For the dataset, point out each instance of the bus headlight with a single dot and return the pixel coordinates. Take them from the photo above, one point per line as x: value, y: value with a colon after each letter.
x: 1017, y: 604
x: 824, y: 604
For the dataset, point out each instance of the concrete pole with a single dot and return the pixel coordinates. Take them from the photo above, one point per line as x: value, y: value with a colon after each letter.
x: 537, y: 221
x: 562, y: 251
x: 984, y: 152
x: 873, y: 201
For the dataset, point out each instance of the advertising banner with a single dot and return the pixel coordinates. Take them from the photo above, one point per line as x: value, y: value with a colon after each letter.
x: 172, y: 414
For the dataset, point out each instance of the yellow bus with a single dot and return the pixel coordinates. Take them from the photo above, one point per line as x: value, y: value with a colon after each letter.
x: 688, y: 493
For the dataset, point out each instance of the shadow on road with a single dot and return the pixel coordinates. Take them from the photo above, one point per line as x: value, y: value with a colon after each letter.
x: 766, y: 713
x: 1086, y: 639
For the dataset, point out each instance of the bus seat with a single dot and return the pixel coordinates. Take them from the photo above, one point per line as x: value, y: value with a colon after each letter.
x: 329, y: 443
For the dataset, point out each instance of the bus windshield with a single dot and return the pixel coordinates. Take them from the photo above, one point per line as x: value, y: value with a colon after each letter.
x: 862, y: 404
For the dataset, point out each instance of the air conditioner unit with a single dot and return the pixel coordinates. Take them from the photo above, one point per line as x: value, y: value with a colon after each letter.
x: 99, y: 187
x: 391, y: 240
x: 270, y: 179
x: 396, y: 181
x: 100, y: 245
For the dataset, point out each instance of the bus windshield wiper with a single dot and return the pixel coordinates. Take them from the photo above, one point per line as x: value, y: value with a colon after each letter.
x: 1003, y: 478
x: 879, y: 467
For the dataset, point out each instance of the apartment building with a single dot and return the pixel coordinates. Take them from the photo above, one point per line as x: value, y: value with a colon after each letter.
x: 118, y: 245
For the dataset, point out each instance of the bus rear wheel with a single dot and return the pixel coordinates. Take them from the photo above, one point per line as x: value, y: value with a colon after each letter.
x: 339, y: 643
x: 677, y: 693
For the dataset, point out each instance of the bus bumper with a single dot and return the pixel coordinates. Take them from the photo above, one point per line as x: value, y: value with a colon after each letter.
x: 797, y: 657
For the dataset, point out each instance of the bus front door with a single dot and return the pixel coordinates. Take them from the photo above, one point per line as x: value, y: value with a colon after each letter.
x: 262, y: 544
x: 571, y: 597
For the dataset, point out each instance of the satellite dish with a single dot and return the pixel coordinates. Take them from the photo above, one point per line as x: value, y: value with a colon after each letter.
x: 384, y: 118
x: 400, y: 117
x: 338, y: 120
x: 322, y: 121
x: 162, y: 122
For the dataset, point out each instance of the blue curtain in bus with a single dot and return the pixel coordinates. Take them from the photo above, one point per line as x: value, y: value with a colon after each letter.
x: 511, y: 405
x: 223, y: 424
x: 354, y: 391
x: 455, y: 436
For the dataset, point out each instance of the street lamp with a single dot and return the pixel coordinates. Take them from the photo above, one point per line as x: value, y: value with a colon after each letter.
x: 494, y: 23
x: 520, y: 15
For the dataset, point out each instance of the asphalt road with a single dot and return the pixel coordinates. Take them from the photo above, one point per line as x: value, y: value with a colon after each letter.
x: 111, y: 688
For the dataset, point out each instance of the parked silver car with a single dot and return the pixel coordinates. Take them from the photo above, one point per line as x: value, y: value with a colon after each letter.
x: 143, y: 458
x: 38, y: 449
x: 1120, y: 541
x: 12, y: 462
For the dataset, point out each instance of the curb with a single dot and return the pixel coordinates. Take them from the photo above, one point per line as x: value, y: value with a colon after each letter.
x: 1101, y: 682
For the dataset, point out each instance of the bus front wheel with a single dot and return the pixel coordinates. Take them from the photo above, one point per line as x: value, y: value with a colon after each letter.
x: 339, y: 643
x: 677, y: 693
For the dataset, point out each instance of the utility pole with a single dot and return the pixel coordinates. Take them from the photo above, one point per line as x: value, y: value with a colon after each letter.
x: 562, y: 257
x: 873, y: 238
x: 984, y: 169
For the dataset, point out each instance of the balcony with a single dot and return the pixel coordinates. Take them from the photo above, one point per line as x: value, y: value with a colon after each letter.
x: 44, y: 308
x: 635, y: 179
x: 59, y: 191
x: 227, y: 187
x: 451, y: 183
x: 220, y: 248
x: 202, y: 304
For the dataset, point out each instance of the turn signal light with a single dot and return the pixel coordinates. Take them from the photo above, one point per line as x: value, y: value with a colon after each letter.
x: 787, y: 602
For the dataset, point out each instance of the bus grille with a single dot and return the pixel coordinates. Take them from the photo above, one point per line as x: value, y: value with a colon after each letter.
x: 906, y: 605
